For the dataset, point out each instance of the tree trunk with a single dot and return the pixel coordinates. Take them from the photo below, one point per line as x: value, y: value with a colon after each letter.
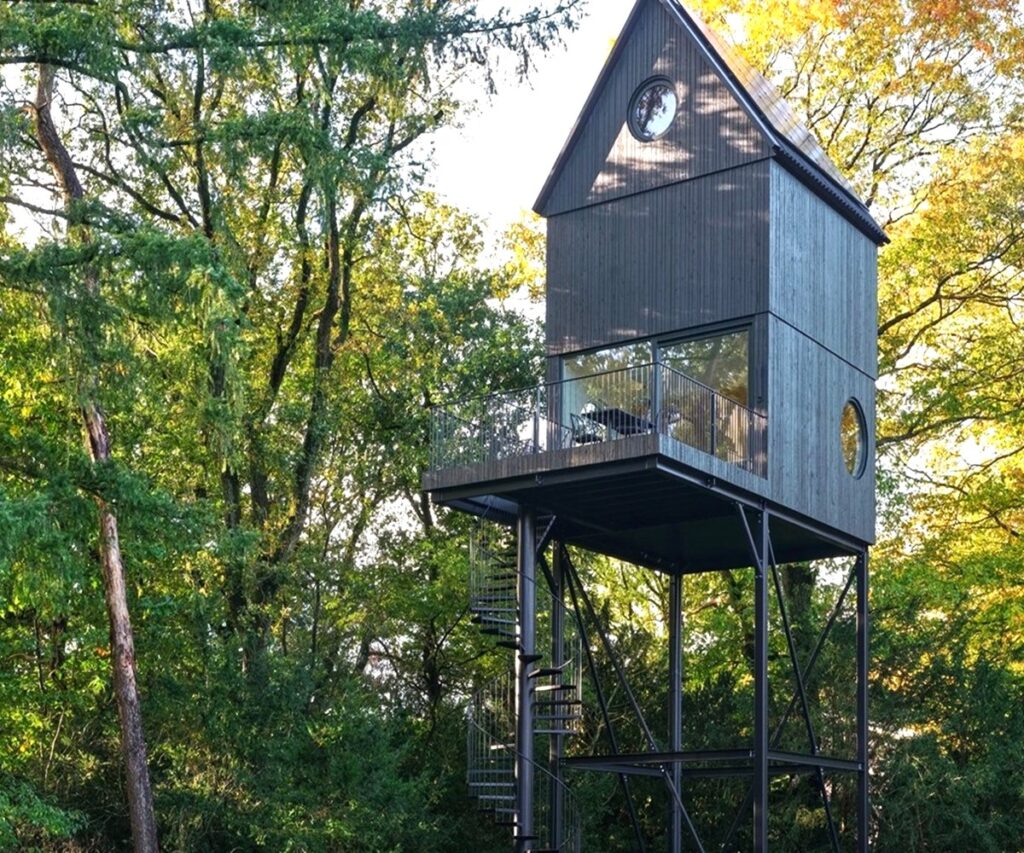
x: 133, y: 743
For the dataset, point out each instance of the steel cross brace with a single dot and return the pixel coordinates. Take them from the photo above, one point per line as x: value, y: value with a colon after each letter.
x: 602, y: 703
x: 768, y: 557
x: 574, y: 581
x: 816, y: 761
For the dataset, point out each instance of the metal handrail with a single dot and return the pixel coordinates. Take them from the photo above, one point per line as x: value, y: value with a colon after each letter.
x: 498, y: 770
x: 523, y: 389
x: 709, y: 389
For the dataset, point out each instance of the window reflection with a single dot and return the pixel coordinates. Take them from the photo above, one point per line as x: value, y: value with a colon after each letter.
x: 852, y: 438
x: 721, y: 362
x: 612, y: 394
x: 652, y: 110
x: 695, y: 415
x: 700, y: 398
x: 603, y: 361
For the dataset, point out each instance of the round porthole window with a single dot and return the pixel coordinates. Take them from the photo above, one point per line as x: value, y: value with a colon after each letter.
x: 853, y: 433
x: 652, y: 109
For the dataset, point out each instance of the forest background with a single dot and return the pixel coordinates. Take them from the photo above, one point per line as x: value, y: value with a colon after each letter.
x: 219, y: 342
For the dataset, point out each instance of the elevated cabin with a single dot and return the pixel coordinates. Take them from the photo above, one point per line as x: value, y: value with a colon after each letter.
x: 710, y: 328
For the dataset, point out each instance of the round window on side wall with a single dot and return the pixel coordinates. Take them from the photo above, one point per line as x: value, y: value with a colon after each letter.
x: 652, y: 109
x: 853, y: 438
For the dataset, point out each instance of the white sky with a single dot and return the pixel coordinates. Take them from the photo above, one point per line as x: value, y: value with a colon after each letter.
x: 495, y: 166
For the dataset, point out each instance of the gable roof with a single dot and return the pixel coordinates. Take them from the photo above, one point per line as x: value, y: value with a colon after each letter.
x: 792, y: 143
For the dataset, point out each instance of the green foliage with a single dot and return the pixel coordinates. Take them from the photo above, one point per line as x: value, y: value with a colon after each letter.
x: 301, y: 645
x: 28, y: 822
x: 279, y: 303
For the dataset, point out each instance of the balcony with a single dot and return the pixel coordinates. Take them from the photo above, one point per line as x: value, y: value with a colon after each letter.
x: 644, y: 463
x: 600, y: 410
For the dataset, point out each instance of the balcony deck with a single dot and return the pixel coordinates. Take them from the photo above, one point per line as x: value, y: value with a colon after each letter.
x: 648, y: 497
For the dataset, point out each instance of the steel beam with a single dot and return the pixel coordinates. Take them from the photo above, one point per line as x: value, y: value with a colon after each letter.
x: 675, y: 705
x: 731, y: 771
x: 863, y: 659
x: 761, y: 685
x: 699, y: 756
x: 527, y: 655
x: 711, y: 756
x: 821, y: 762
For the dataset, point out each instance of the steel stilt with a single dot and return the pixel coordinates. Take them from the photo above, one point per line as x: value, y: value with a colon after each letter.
x: 527, y: 655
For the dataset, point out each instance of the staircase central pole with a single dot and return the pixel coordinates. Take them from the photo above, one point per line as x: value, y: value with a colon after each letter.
x: 557, y: 741
x: 525, y: 659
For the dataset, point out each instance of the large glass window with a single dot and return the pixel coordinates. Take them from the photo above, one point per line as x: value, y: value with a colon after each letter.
x: 709, y: 413
x: 699, y: 397
x: 608, y: 392
x: 606, y: 360
x: 722, y: 362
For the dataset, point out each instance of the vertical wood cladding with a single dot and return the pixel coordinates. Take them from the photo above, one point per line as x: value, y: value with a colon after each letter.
x: 703, y: 227
x: 808, y: 387
x: 823, y: 350
x: 684, y: 255
x: 711, y: 131
x: 824, y: 273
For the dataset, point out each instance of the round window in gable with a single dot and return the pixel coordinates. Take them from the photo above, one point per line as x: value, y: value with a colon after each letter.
x: 652, y: 109
x: 853, y: 437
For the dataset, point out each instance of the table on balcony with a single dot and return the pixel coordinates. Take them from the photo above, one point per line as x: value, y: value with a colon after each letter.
x: 620, y: 421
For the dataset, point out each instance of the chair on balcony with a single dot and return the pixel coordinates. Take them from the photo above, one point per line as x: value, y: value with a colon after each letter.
x: 584, y: 430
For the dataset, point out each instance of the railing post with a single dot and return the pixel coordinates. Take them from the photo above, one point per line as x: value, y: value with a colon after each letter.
x: 656, y: 396
x: 714, y: 423
x: 536, y: 420
x: 752, y: 442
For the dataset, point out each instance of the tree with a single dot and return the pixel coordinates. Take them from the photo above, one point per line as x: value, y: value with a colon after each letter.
x: 237, y: 160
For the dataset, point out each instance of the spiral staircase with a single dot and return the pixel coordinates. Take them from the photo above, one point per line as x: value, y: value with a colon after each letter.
x: 555, y: 679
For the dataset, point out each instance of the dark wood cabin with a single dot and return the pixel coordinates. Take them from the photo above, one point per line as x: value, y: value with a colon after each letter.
x: 711, y: 325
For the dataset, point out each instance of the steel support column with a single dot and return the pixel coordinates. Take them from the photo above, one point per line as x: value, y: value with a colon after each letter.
x: 526, y: 657
x: 863, y: 658
x: 675, y: 706
x: 556, y: 742
x: 760, y: 539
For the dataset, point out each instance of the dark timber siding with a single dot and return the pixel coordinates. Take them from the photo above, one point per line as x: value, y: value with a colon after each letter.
x: 808, y: 387
x: 685, y: 255
x: 823, y: 273
x: 711, y: 131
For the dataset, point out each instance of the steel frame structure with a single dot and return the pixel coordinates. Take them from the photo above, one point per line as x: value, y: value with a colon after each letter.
x: 760, y: 762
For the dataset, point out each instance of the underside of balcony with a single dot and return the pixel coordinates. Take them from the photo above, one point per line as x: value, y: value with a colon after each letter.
x: 647, y: 499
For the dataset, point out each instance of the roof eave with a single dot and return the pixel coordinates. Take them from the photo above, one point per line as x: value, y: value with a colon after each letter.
x: 814, y: 179
x: 595, y: 93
